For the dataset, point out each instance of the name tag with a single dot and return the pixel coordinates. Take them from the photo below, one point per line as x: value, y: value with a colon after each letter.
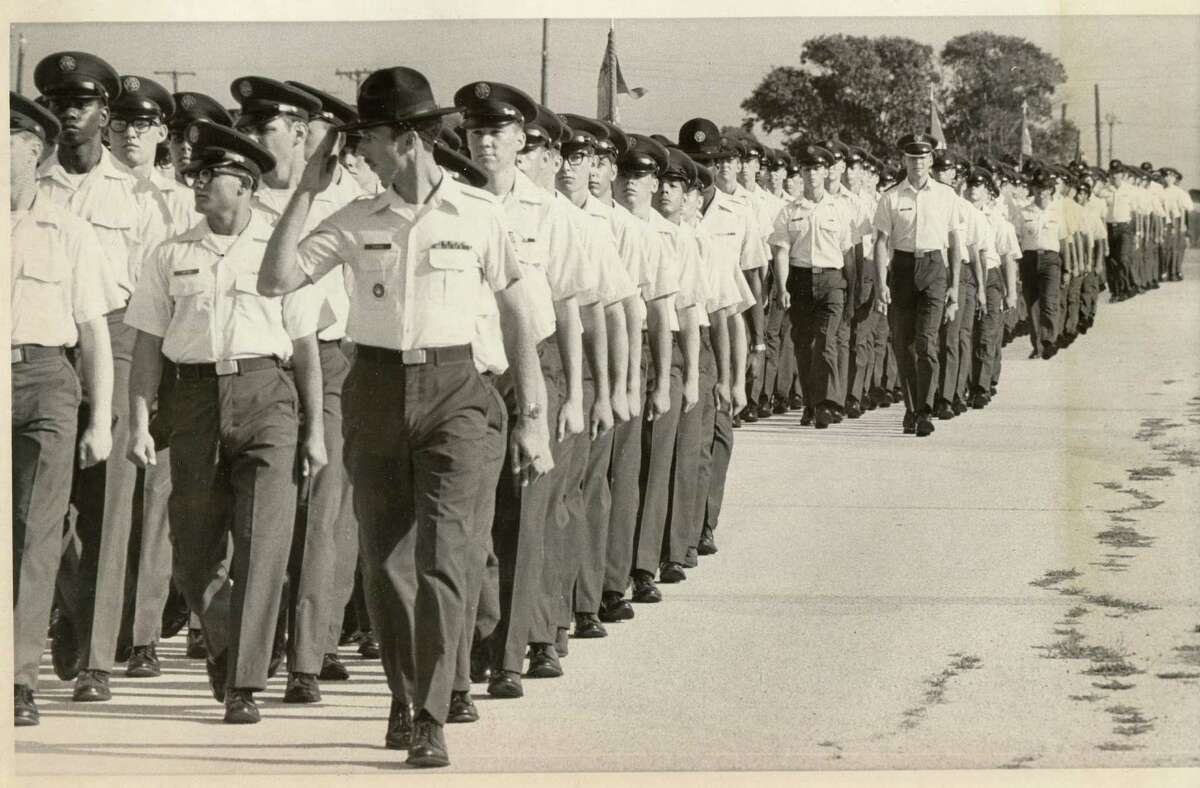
x: 451, y: 245
x: 187, y: 272
x: 376, y: 247
x: 905, y: 210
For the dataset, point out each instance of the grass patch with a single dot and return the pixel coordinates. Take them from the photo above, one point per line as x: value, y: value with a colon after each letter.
x: 1054, y: 577
x: 1107, y: 600
x: 1124, y: 536
x: 1178, y: 674
x: 1149, y: 473
x: 966, y: 662
x: 1072, y: 591
x: 1113, y: 746
x: 1189, y: 654
x: 1109, y: 485
x: 1077, y: 612
x: 1089, y: 698
x: 1133, y: 730
x: 1115, y: 668
x: 1112, y: 684
x: 1072, y: 646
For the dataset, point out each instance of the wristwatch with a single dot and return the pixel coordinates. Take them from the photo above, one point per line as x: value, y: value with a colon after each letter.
x: 760, y: 347
x: 530, y: 411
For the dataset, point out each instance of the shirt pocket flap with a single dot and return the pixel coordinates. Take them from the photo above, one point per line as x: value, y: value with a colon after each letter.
x: 109, y: 214
x: 187, y: 284
x: 452, y: 259
x: 46, y: 266
x: 246, y: 283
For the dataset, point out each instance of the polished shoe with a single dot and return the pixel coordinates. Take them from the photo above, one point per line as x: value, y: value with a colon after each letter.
x: 91, y: 686
x: 853, y: 411
x: 124, y: 652
x: 779, y: 407
x: 795, y: 402
x: 562, y: 644
x: 764, y: 411
x: 217, y: 669
x: 64, y: 649
x: 881, y: 398
x: 910, y: 423
x: 943, y: 410
x: 835, y: 414
x: 737, y: 421
x: 707, y: 545
x: 868, y: 405
x: 924, y: 426
x: 897, y: 395
x: 806, y: 417
x: 240, y: 708
x: 980, y: 401
x: 1049, y: 350
x: 543, y: 662
x: 671, y: 572
x: 278, y: 652
x: 748, y: 415
x: 959, y: 407
x: 332, y: 668
x: 1033, y: 354
x: 692, y: 559
x: 614, y: 608
x: 644, y: 589
x: 197, y: 646
x: 505, y: 684
x: 25, y: 711
x: 400, y: 726
x: 481, y: 671
x: 368, y: 647
x: 823, y: 416
x: 174, y: 618
x: 143, y: 663
x: 428, y: 748
x: 589, y: 626
x: 302, y: 688
x: 462, y: 708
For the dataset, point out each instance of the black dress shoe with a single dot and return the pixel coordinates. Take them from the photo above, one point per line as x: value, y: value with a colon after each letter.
x: 428, y: 748
x: 806, y: 417
x: 588, y: 626
x: 217, y: 669
x: 706, y: 546
x: 779, y: 407
x: 332, y: 668
x: 835, y: 414
x: 64, y: 649
x: 25, y: 711
x: 462, y: 708
x: 543, y: 662
x: 197, y: 646
x: 302, y: 688
x: 671, y: 572
x: 692, y: 559
x: 853, y: 411
x: 748, y: 414
x: 1049, y: 350
x: 644, y: 589
x: 959, y: 407
x: 924, y: 426
x: 481, y: 671
x: 240, y: 708
x: 980, y: 400
x: 763, y: 411
x: 897, y: 395
x: 562, y: 642
x: 823, y: 416
x: 505, y: 684
x: 910, y: 423
x: 943, y: 410
x: 143, y: 663
x: 175, y: 616
x: 400, y: 725
x: 1033, y: 354
x: 795, y: 402
x: 737, y: 421
x: 91, y: 686
x: 614, y: 608
x: 368, y: 647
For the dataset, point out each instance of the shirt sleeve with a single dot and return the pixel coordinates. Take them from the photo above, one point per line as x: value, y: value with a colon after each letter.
x: 325, y: 248
x: 150, y: 308
x: 753, y: 252
x: 779, y: 230
x: 614, y: 284
x: 303, y: 312
x: 567, y: 267
x: 883, y: 216
x: 662, y: 274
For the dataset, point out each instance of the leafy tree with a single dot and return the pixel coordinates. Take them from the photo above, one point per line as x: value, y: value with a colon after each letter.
x: 864, y: 91
x: 738, y: 133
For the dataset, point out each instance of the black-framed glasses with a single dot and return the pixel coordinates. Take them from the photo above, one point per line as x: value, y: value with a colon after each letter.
x: 140, y: 125
x: 578, y: 157
x: 205, y: 176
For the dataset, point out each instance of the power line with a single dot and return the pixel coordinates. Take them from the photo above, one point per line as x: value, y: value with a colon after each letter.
x: 175, y: 75
x: 356, y: 74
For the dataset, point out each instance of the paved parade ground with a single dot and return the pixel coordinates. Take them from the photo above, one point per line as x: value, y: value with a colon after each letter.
x: 1020, y: 589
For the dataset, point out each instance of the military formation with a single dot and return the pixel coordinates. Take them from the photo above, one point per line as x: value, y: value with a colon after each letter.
x: 460, y: 382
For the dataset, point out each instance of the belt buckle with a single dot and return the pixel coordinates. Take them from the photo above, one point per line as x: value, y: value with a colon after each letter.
x: 411, y: 357
x: 223, y: 368
x: 16, y: 355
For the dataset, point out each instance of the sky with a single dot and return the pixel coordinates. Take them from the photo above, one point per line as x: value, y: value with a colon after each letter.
x: 1147, y: 67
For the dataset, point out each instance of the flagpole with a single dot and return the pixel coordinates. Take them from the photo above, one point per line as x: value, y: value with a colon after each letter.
x: 545, y: 62
x: 612, y: 70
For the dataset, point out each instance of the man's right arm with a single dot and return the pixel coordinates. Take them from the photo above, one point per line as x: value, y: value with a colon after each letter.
x: 530, y: 436
x: 280, y: 272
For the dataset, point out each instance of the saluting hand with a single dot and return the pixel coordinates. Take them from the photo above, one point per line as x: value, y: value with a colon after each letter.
x: 140, y: 449
x: 318, y: 172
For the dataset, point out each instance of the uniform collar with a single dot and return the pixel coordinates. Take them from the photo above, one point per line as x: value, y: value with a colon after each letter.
x: 258, y: 229
x: 448, y: 193
x: 43, y: 210
x: 595, y: 207
x: 929, y: 185
x: 527, y: 191
x: 107, y: 167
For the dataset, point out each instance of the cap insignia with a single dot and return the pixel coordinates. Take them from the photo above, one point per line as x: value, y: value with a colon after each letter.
x: 245, y: 88
x: 482, y: 90
x: 131, y: 84
x: 66, y: 63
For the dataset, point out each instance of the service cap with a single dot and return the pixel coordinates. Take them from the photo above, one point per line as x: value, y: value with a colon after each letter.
x: 644, y: 157
x: 33, y: 117
x: 215, y: 145
x: 262, y: 98
x: 485, y: 104
x: 142, y: 97
x: 76, y: 74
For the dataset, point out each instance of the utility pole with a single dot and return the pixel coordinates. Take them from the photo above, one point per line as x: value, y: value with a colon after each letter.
x: 175, y: 75
x: 1112, y: 121
x: 1096, y: 89
x: 545, y: 62
x: 356, y: 74
x: 21, y: 42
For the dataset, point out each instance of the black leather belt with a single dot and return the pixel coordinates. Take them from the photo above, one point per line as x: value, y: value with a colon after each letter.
x: 927, y: 255
x: 115, y: 316
x: 222, y: 368
x: 329, y: 342
x: 413, y: 358
x: 23, y: 353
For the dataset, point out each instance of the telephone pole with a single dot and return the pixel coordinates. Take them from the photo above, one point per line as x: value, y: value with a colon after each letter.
x: 545, y: 62
x: 175, y: 75
x: 356, y: 74
x: 1096, y: 92
x: 21, y: 42
x: 1112, y: 121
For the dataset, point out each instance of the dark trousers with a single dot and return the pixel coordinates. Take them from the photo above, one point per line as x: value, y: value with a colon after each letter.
x: 955, y: 354
x: 851, y: 265
x: 722, y: 454
x: 1089, y: 293
x: 1072, y: 303
x: 521, y: 522
x: 414, y: 439
x: 779, y: 367
x: 233, y: 470
x: 45, y: 403
x: 818, y: 297
x: 918, y: 287
x: 324, y: 510
x: 1120, y: 258
x: 988, y: 334
x: 708, y: 415
x: 863, y: 319
x: 881, y: 342
x: 558, y: 575
x: 1041, y: 278
x: 588, y: 505
x: 624, y: 471
x: 658, y: 448
x: 683, y: 515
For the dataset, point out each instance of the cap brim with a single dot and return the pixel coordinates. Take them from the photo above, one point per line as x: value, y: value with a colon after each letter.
x: 366, y: 124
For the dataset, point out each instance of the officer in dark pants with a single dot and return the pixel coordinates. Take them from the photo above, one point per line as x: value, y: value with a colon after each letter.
x: 423, y: 254
x: 59, y: 299
x: 235, y: 410
x: 1044, y: 240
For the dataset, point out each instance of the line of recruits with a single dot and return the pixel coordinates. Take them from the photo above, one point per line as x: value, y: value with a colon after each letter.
x: 491, y: 368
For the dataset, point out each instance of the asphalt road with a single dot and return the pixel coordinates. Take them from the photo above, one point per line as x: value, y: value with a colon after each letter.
x: 879, y: 601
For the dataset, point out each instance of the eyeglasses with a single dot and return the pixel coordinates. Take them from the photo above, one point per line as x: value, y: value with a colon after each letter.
x: 205, y: 176
x: 141, y: 125
x: 578, y: 157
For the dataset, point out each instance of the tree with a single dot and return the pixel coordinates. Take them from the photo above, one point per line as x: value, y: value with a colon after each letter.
x: 863, y: 91
x: 988, y: 77
x: 738, y: 133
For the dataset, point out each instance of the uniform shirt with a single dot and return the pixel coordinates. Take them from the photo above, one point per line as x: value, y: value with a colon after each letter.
x: 55, y: 280
x: 1042, y: 229
x: 1181, y: 199
x: 614, y: 282
x: 864, y: 229
x: 1091, y: 227
x: 917, y: 220
x: 1121, y: 201
x: 815, y: 234
x: 849, y: 207
x: 766, y: 207
x: 200, y: 294
x: 1003, y: 240
x: 655, y: 273
x: 979, y: 234
x: 178, y: 202
x: 414, y: 272
x: 729, y: 219
x: 720, y: 280
x: 679, y: 241
x: 121, y: 208
x: 1098, y: 206
x: 341, y: 192
x: 1155, y: 190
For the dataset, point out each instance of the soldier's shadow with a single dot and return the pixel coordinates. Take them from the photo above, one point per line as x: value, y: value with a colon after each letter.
x: 177, y: 752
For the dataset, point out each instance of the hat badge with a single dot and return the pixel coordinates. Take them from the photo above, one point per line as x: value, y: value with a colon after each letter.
x: 245, y: 88
x: 482, y: 90
x: 194, y: 134
x: 699, y: 136
x: 187, y: 102
x: 131, y: 84
x: 66, y: 63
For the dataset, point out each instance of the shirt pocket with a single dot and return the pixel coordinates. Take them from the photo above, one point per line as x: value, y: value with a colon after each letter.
x: 46, y: 265
x: 190, y: 290
x: 452, y: 278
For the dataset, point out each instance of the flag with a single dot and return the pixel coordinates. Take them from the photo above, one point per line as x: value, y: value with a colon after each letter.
x: 612, y: 82
x: 1026, y: 142
x: 935, y: 122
